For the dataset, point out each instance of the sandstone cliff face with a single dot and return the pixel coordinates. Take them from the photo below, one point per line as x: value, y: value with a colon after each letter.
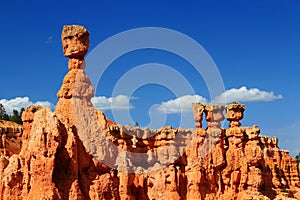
x: 10, y: 138
x: 77, y: 153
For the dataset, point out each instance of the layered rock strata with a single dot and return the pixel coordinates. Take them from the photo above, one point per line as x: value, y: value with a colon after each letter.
x: 10, y: 138
x: 77, y: 153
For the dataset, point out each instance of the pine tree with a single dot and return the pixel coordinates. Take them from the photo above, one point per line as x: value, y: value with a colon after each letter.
x: 15, y: 117
x: 6, y: 117
x: 136, y: 125
x: 2, y: 112
x: 298, y: 158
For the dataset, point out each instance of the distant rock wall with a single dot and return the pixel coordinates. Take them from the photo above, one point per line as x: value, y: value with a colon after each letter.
x: 11, y: 129
x: 10, y: 138
x: 77, y: 153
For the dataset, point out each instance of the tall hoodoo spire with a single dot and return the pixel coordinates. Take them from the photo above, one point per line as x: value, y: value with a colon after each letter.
x: 76, y: 84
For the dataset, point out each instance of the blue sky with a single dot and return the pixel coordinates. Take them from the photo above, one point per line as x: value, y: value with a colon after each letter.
x: 255, y: 45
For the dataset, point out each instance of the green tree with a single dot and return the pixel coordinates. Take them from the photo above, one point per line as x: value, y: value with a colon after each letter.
x: 136, y: 124
x: 6, y: 117
x: 2, y: 112
x: 298, y: 158
x: 16, y: 117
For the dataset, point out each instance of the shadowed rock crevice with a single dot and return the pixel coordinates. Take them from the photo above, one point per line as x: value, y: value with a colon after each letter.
x: 60, y: 172
x: 77, y: 153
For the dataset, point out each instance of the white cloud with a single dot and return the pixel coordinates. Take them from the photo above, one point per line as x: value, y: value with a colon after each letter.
x: 120, y: 102
x: 184, y: 103
x: 22, y: 102
x: 180, y: 104
x: 245, y: 95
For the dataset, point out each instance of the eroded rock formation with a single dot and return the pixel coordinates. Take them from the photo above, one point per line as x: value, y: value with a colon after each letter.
x: 77, y: 153
x: 10, y: 138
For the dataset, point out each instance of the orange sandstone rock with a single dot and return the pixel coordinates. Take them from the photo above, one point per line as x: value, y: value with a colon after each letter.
x: 10, y: 138
x: 77, y: 153
x: 75, y: 41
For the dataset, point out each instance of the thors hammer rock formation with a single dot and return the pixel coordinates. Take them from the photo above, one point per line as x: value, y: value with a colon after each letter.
x: 77, y: 153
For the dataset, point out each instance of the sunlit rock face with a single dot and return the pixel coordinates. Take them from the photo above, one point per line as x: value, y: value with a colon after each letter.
x: 75, y: 152
x: 75, y: 41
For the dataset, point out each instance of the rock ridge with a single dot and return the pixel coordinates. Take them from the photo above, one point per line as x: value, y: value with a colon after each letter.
x: 76, y: 152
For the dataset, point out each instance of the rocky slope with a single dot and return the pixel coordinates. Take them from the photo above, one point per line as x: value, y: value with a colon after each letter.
x: 77, y: 153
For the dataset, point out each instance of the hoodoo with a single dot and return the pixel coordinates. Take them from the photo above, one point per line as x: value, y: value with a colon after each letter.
x: 75, y: 152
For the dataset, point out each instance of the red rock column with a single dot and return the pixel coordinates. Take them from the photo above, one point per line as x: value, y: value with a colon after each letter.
x: 235, y: 113
x: 231, y: 175
x: 74, y: 94
x: 244, y: 154
x: 198, y: 110
x: 215, y: 148
x: 75, y: 41
x: 214, y: 116
x: 194, y: 154
x: 83, y: 128
x: 251, y: 174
